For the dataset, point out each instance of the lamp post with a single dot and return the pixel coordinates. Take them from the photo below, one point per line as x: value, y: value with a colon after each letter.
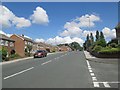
x: 89, y: 21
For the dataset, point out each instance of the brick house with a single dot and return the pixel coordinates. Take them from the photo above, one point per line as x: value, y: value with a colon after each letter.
x: 43, y: 46
x: 8, y: 43
x: 64, y: 48
x: 21, y: 43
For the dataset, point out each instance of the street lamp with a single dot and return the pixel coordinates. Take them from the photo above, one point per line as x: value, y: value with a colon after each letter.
x: 89, y: 21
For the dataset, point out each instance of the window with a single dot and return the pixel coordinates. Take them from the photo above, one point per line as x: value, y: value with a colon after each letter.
x: 25, y: 42
x: 2, y: 42
x: 6, y: 43
x: 11, y: 44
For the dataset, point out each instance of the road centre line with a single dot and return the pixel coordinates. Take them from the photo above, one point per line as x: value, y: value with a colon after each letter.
x: 18, y: 73
x: 46, y: 62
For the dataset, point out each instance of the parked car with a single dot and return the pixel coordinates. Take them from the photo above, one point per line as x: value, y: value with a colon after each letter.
x: 40, y: 53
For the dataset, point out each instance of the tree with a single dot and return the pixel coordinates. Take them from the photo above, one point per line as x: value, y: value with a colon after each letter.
x: 28, y: 49
x: 91, y: 38
x: 75, y: 46
x: 97, y: 35
x: 87, y: 37
x: 115, y: 40
x: 4, y: 53
x: 101, y: 36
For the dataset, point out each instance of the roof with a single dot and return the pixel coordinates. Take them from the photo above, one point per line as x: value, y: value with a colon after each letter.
x: 44, y: 44
x: 4, y: 37
x: 25, y: 38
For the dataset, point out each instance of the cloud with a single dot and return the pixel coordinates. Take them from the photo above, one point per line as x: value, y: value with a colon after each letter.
x: 73, y: 28
x: 39, y: 40
x: 63, y: 40
x: 21, y: 22
x: 8, y: 18
x: 39, y: 16
x: 73, y: 31
x: 87, y: 20
x: 85, y: 33
x: 108, y: 33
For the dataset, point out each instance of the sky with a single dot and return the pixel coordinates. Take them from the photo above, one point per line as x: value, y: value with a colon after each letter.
x: 59, y: 22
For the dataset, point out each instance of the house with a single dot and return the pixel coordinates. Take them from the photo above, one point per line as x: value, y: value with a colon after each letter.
x: 21, y: 43
x: 8, y: 43
x: 43, y: 46
x: 64, y: 48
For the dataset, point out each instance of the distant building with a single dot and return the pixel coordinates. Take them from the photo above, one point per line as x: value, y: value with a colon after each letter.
x: 8, y: 43
x: 21, y: 43
x: 64, y: 48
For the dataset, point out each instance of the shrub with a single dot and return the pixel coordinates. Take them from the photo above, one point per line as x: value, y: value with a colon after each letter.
x: 113, y: 45
x: 101, y: 43
x: 4, y: 54
x: 27, y: 54
x: 97, y: 48
x: 14, y: 56
x: 110, y: 50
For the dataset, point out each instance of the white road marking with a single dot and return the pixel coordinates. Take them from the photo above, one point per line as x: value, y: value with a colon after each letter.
x: 96, y: 84
x: 106, y: 84
x: 18, y: 73
x: 88, y: 63
x: 92, y: 74
x: 90, y: 71
x: 46, y: 62
x: 94, y: 78
x: 89, y: 68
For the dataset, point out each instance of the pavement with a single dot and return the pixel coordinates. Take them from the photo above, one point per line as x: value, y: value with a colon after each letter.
x: 60, y: 70
x: 27, y: 58
x: 90, y: 57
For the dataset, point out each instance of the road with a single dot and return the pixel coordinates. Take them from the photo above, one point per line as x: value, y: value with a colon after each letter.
x: 61, y: 70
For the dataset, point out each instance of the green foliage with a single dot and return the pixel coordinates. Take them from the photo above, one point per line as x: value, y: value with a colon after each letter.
x: 101, y: 42
x: 97, y: 35
x: 4, y: 54
x: 118, y: 26
x: 97, y: 48
x: 14, y: 56
x: 91, y: 38
x: 75, y: 46
x: 101, y: 36
x: 113, y: 41
x: 113, y: 45
x: 29, y: 47
x: 28, y: 50
x: 109, y: 50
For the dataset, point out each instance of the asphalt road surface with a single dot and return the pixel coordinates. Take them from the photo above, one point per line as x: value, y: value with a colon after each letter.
x: 61, y: 70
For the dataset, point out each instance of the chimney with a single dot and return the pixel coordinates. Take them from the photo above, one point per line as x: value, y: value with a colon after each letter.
x: 22, y: 35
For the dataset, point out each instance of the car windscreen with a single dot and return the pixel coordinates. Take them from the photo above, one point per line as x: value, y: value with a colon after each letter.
x: 40, y: 51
